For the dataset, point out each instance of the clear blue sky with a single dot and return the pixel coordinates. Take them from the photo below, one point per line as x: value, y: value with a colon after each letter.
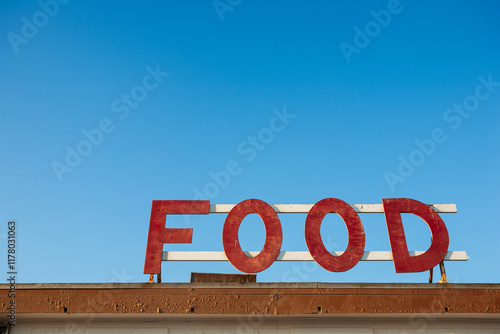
x: 178, y: 90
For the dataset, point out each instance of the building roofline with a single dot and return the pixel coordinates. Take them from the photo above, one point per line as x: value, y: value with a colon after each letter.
x: 270, y: 285
x: 271, y: 299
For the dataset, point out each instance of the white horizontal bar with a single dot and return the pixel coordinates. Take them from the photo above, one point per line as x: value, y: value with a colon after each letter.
x: 304, y: 208
x: 298, y: 256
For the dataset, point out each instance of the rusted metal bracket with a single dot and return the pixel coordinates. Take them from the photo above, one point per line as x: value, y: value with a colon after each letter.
x: 152, y: 278
x: 443, y: 273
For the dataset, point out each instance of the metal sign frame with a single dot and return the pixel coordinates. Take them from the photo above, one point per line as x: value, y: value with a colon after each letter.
x: 335, y: 261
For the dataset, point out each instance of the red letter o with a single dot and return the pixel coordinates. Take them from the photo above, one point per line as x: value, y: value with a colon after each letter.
x: 321, y: 255
x: 274, y: 236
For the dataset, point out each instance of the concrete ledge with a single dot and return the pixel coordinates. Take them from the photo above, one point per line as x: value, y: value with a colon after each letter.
x: 249, y: 285
x: 254, y: 298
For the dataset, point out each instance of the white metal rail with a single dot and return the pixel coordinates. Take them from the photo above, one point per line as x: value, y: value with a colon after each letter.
x: 304, y: 208
x: 297, y: 256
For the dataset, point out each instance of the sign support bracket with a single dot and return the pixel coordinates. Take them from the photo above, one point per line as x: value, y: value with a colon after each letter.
x: 443, y: 273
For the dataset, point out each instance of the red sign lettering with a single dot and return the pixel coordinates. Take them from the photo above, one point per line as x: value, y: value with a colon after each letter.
x: 393, y: 207
x: 403, y: 262
x: 159, y: 235
x: 356, y: 244
x: 272, y: 245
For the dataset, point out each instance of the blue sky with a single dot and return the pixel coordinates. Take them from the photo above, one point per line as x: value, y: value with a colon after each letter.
x: 177, y: 90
